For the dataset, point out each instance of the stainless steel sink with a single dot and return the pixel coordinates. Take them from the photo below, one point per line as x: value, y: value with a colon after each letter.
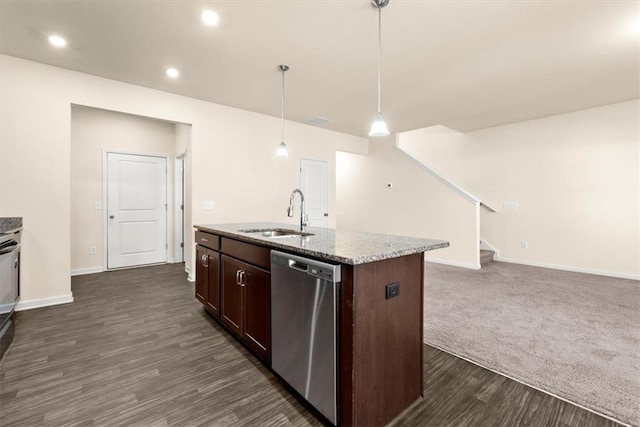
x: 276, y: 232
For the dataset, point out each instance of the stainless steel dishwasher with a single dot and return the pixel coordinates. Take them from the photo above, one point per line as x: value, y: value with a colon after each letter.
x: 304, y: 327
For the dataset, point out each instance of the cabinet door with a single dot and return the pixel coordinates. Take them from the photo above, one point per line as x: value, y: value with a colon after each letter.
x: 213, y: 283
x: 202, y: 274
x: 257, y: 310
x: 231, y: 294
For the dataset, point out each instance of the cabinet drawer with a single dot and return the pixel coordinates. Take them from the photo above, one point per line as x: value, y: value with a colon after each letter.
x: 210, y: 241
x: 253, y: 254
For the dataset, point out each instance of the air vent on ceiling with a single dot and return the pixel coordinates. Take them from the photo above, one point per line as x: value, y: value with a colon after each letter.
x: 318, y: 121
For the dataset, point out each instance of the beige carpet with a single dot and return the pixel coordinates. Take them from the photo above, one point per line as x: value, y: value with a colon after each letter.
x: 574, y: 335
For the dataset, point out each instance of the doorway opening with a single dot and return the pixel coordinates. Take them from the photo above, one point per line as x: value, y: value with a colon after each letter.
x: 179, y: 207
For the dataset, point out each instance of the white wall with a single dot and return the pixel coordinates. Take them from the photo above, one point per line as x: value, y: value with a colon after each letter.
x: 574, y: 176
x: 92, y: 131
x: 231, y: 155
x: 417, y: 205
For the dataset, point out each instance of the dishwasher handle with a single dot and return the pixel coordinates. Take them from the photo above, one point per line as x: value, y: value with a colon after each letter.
x: 297, y: 265
x: 311, y: 267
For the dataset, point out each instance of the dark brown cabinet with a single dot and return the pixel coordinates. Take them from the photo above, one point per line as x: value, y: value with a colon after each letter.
x: 234, y: 284
x: 208, y: 277
x: 202, y: 274
x: 232, y: 294
x: 257, y: 310
x: 246, y: 304
x: 213, y: 281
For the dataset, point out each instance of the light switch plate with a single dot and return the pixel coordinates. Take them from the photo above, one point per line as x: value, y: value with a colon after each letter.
x: 509, y: 205
x: 207, y: 205
x: 98, y: 205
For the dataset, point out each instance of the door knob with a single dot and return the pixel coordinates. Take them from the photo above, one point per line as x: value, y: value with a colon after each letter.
x: 111, y: 216
x: 326, y: 214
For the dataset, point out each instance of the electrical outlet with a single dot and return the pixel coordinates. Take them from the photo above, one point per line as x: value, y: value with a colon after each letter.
x: 509, y: 205
x: 392, y: 290
x: 524, y: 244
x: 93, y: 250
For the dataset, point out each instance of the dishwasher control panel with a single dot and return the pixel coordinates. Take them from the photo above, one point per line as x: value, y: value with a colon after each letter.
x: 319, y: 269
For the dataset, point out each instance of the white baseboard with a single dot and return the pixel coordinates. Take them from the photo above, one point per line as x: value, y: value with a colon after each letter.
x: 89, y: 270
x: 190, y: 276
x: 453, y: 263
x: 44, y: 302
x: 573, y: 269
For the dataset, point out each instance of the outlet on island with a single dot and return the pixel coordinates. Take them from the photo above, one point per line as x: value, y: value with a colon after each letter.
x: 392, y: 290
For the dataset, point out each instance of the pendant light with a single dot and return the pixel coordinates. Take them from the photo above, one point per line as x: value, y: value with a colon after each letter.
x: 282, y: 147
x: 379, y: 127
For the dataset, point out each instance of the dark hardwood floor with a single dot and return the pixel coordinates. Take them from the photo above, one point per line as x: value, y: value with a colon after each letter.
x: 136, y: 348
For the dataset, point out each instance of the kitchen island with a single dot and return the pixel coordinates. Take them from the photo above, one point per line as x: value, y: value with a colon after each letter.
x: 379, y: 305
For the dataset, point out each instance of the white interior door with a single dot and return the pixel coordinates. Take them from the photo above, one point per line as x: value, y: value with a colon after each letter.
x: 136, y: 210
x: 314, y: 183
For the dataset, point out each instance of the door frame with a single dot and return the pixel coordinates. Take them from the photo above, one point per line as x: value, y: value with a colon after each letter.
x: 179, y: 232
x: 329, y: 195
x: 105, y: 213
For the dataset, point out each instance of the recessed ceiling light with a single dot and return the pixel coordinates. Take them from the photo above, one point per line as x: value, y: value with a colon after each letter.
x: 57, y: 41
x: 173, y: 73
x: 210, y: 18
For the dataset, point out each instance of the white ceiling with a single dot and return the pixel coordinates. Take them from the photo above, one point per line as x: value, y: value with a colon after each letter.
x: 461, y: 64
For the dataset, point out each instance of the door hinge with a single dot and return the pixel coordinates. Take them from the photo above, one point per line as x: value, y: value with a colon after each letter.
x: 166, y: 207
x: 166, y: 246
x: 181, y: 207
x: 182, y: 245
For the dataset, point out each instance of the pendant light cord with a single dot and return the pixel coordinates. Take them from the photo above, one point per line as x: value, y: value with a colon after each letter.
x: 282, y: 123
x: 379, y: 53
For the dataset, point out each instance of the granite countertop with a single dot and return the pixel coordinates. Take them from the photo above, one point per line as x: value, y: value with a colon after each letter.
x: 346, y: 247
x: 10, y: 223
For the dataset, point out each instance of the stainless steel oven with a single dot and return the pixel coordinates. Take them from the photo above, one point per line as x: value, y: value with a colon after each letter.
x: 9, y: 285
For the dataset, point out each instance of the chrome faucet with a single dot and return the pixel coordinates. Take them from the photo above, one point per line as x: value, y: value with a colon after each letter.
x: 304, y: 219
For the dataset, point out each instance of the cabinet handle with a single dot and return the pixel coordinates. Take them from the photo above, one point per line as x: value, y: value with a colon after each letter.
x: 206, y: 258
x: 204, y: 240
x: 237, y: 277
x: 243, y: 278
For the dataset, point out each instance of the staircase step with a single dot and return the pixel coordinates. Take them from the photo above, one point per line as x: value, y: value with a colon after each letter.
x: 486, y: 257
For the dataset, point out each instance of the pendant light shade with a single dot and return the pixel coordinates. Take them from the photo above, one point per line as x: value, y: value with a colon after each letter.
x: 282, y: 150
x: 282, y: 147
x: 379, y: 126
